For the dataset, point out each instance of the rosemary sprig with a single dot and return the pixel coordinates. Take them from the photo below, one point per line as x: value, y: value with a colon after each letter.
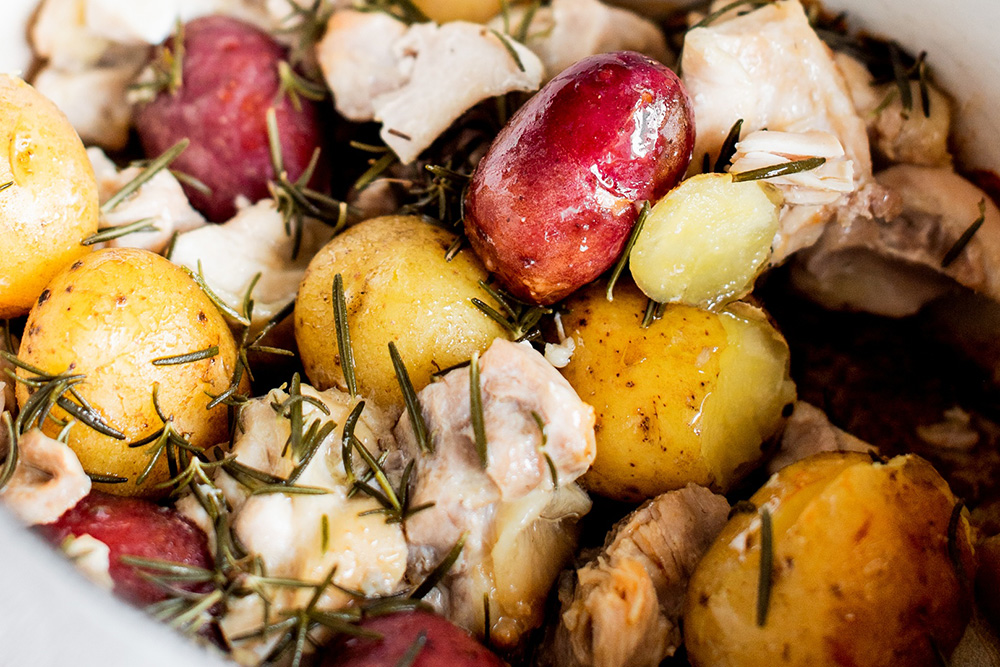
x: 207, y: 353
x: 654, y: 311
x: 167, y: 68
x: 4, y: 186
x: 111, y: 233
x: 714, y: 16
x: 509, y: 47
x: 553, y: 471
x: 623, y: 258
x: 487, y: 623
x: 439, y: 572
x: 956, y: 249
x: 149, y: 171
x: 344, y: 335
x: 413, y: 652
x: 902, y: 77
x: 728, y: 149
x: 166, y: 441
x: 764, y: 580
x: 954, y: 553
x: 404, y: 10
x: 520, y: 319
x: 783, y: 169
x: 106, y: 479
x: 411, y: 400
x: 476, y: 411
x: 10, y: 459
x: 294, y: 86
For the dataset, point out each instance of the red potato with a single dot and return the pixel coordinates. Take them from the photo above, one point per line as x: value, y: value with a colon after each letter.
x: 230, y: 79
x: 444, y: 644
x: 552, y: 203
x: 133, y: 527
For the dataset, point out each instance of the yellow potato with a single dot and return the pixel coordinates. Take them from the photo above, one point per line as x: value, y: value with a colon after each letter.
x: 690, y: 399
x: 50, y: 201
x: 441, y: 11
x: 398, y: 287
x: 108, y: 316
x: 862, y: 570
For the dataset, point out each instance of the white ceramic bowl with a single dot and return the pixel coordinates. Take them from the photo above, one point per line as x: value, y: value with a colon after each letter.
x: 49, y: 616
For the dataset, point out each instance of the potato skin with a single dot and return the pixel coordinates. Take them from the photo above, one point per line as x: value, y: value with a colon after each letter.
x: 861, y: 570
x: 52, y: 204
x: 398, y: 287
x: 108, y: 316
x: 552, y: 203
x: 477, y: 11
x: 689, y: 399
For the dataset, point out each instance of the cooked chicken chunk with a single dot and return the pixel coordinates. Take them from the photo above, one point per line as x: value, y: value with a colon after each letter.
x: 516, y: 514
x: 808, y: 432
x: 47, y: 481
x: 286, y: 531
x: 253, y: 242
x: 769, y: 68
x: 418, y: 80
x: 160, y: 201
x: 894, y: 266
x: 625, y: 608
x: 570, y: 30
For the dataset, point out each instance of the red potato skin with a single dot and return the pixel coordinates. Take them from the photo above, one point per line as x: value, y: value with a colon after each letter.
x: 551, y: 205
x: 134, y: 527
x: 230, y: 79
x: 446, y: 644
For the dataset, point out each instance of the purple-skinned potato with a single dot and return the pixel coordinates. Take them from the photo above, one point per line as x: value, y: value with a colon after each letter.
x: 551, y: 205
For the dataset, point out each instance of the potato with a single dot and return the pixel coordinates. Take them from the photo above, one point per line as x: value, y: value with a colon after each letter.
x: 444, y: 644
x: 51, y: 203
x: 230, y: 78
x: 398, y: 287
x: 108, y: 316
x: 706, y: 241
x: 861, y: 570
x: 689, y: 399
x: 551, y: 205
x: 478, y: 11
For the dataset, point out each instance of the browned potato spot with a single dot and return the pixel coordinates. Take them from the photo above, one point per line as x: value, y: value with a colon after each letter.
x: 49, y: 199
x: 398, y: 287
x: 107, y: 317
x: 864, y: 570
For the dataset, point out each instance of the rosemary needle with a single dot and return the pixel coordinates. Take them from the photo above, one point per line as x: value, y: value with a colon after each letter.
x: 766, y: 566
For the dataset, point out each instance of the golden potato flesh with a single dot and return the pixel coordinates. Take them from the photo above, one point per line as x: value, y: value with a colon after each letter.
x: 398, y: 287
x: 108, y: 317
x: 49, y: 199
x: 478, y: 11
x: 863, y: 570
x: 689, y: 399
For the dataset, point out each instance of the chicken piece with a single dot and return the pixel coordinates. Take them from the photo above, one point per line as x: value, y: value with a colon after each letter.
x: 518, y: 525
x: 286, y: 531
x: 160, y: 201
x: 808, y: 432
x: 253, y: 242
x: 894, y: 265
x: 822, y: 185
x: 47, y: 481
x: 626, y: 605
x: 93, y: 100
x: 418, y: 81
x: 769, y: 68
x: 92, y: 558
x: 570, y: 30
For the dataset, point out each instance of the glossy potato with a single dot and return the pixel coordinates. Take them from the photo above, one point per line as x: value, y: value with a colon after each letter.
x: 398, y: 287
x: 863, y: 570
x: 689, y: 399
x: 48, y: 203
x: 108, y: 317
x: 441, y: 11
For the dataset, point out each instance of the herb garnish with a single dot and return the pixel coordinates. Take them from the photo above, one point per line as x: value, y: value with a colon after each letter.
x: 111, y: 233
x: 207, y: 353
x: 728, y: 149
x: 955, y: 250
x: 714, y: 16
x: 150, y: 170
x: 766, y: 565
x: 413, y: 651
x: 344, y: 335
x: 476, y: 411
x: 410, y: 400
x: 10, y: 460
x: 953, y: 549
x: 783, y: 169
x: 520, y: 319
x: 4, y: 186
x: 627, y: 250
x: 654, y: 311
x: 442, y: 568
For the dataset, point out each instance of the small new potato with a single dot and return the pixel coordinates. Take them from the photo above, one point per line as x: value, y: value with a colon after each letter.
x: 108, y: 317
x: 441, y: 11
x: 690, y: 399
x: 867, y: 568
x: 398, y: 287
x: 48, y: 195
x: 554, y: 200
x: 706, y: 241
